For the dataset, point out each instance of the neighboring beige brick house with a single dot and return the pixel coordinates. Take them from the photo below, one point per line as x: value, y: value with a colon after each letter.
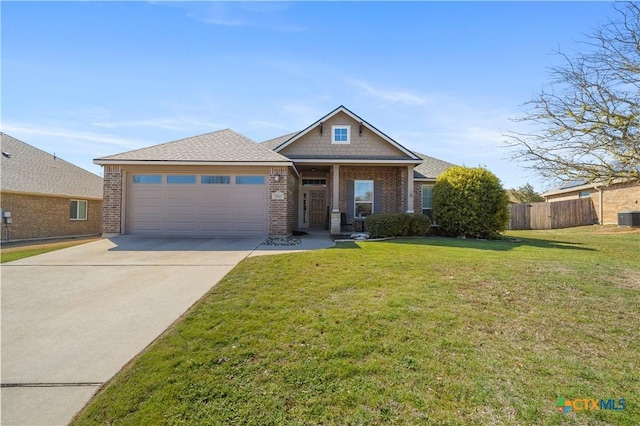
x: 608, y: 200
x: 46, y: 196
x: 224, y: 184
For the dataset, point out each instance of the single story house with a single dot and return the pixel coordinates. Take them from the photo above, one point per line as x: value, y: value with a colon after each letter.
x: 608, y: 200
x: 224, y: 184
x: 42, y: 196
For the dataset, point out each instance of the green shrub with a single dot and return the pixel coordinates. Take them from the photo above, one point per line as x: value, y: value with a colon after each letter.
x: 381, y: 225
x: 470, y: 202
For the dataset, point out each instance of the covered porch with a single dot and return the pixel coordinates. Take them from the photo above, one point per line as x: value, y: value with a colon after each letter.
x: 332, y: 193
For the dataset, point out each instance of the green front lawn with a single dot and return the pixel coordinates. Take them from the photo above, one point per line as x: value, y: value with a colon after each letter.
x: 20, y: 252
x: 415, y: 331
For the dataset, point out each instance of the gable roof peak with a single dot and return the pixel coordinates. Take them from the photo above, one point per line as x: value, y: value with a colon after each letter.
x: 355, y: 117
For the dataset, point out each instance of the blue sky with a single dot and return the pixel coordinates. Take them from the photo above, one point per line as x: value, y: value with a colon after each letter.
x: 88, y: 79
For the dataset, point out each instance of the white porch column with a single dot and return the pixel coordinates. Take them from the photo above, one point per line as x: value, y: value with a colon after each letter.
x: 335, y: 200
x: 410, y: 189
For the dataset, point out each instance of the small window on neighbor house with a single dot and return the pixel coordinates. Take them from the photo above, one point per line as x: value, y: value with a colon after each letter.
x: 78, y: 210
x: 181, y: 179
x: 585, y: 194
x: 147, y: 178
x: 223, y: 180
x: 249, y: 180
x: 340, y: 134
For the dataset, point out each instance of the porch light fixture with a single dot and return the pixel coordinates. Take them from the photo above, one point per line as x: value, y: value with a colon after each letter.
x: 276, y: 178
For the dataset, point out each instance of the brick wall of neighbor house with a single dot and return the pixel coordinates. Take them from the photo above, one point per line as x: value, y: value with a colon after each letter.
x: 283, y: 214
x: 394, y: 185
x: 36, y: 216
x: 615, y: 198
x: 316, y: 144
x: 112, y: 200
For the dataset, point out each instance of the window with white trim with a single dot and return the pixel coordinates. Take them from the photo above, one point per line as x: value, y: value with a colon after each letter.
x: 363, y: 197
x: 427, y: 200
x: 78, y: 210
x: 341, y: 134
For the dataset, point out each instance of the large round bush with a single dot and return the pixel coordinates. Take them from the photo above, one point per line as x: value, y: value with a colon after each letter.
x: 470, y: 202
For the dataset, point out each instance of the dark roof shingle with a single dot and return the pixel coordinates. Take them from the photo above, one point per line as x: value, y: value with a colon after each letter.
x: 221, y: 146
x: 430, y: 168
x: 33, y: 171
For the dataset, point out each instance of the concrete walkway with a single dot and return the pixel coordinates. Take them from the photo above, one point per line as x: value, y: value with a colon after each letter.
x: 73, y: 318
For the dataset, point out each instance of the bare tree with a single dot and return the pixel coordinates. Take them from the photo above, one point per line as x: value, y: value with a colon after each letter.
x: 587, y: 126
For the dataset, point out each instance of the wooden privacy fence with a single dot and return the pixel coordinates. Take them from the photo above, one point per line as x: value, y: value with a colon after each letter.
x: 558, y: 214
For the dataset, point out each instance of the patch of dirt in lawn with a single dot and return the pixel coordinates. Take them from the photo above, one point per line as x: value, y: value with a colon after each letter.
x: 27, y: 245
x: 628, y: 279
x: 615, y: 229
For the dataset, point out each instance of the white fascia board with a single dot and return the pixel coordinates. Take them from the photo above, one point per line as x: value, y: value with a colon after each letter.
x: 356, y: 161
x: 192, y: 163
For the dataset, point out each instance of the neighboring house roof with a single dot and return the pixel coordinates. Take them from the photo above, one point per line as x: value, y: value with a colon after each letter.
x: 27, y: 169
x: 573, y: 186
x: 223, y: 146
x: 430, y: 168
x: 295, y: 136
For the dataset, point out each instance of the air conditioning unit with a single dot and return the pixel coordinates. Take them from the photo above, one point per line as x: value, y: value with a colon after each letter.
x: 629, y: 218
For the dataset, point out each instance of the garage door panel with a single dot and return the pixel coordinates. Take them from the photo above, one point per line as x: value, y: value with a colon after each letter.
x: 181, y: 226
x: 198, y: 209
x: 175, y: 197
x: 184, y: 210
x: 148, y: 194
x: 147, y: 226
x: 206, y: 211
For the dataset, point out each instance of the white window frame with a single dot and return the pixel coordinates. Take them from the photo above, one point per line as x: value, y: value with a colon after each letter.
x: 422, y: 195
x: 356, y: 201
x: 333, y: 135
x: 584, y: 194
x: 86, y: 209
x: 423, y: 208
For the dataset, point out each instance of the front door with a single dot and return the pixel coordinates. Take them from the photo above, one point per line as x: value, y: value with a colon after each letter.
x: 317, y: 213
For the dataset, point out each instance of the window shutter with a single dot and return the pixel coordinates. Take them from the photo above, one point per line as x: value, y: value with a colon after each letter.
x: 377, y: 196
x: 350, y: 200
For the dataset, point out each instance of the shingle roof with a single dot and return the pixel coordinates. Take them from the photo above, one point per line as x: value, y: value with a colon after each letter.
x: 275, y: 142
x: 221, y: 146
x: 430, y: 168
x: 31, y: 170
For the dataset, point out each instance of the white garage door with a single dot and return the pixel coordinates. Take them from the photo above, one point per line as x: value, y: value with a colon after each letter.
x: 198, y: 205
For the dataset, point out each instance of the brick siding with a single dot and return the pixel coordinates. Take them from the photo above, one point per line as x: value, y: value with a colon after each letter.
x: 112, y: 200
x: 394, y: 185
x: 283, y: 214
x: 37, y: 216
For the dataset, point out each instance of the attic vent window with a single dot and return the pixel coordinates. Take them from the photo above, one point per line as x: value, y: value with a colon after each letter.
x: 340, y: 134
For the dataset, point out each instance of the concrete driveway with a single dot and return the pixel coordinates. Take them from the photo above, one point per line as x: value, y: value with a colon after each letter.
x: 73, y: 318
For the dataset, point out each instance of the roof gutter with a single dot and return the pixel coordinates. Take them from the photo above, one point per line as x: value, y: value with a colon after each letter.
x: 102, y: 162
x: 355, y: 161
